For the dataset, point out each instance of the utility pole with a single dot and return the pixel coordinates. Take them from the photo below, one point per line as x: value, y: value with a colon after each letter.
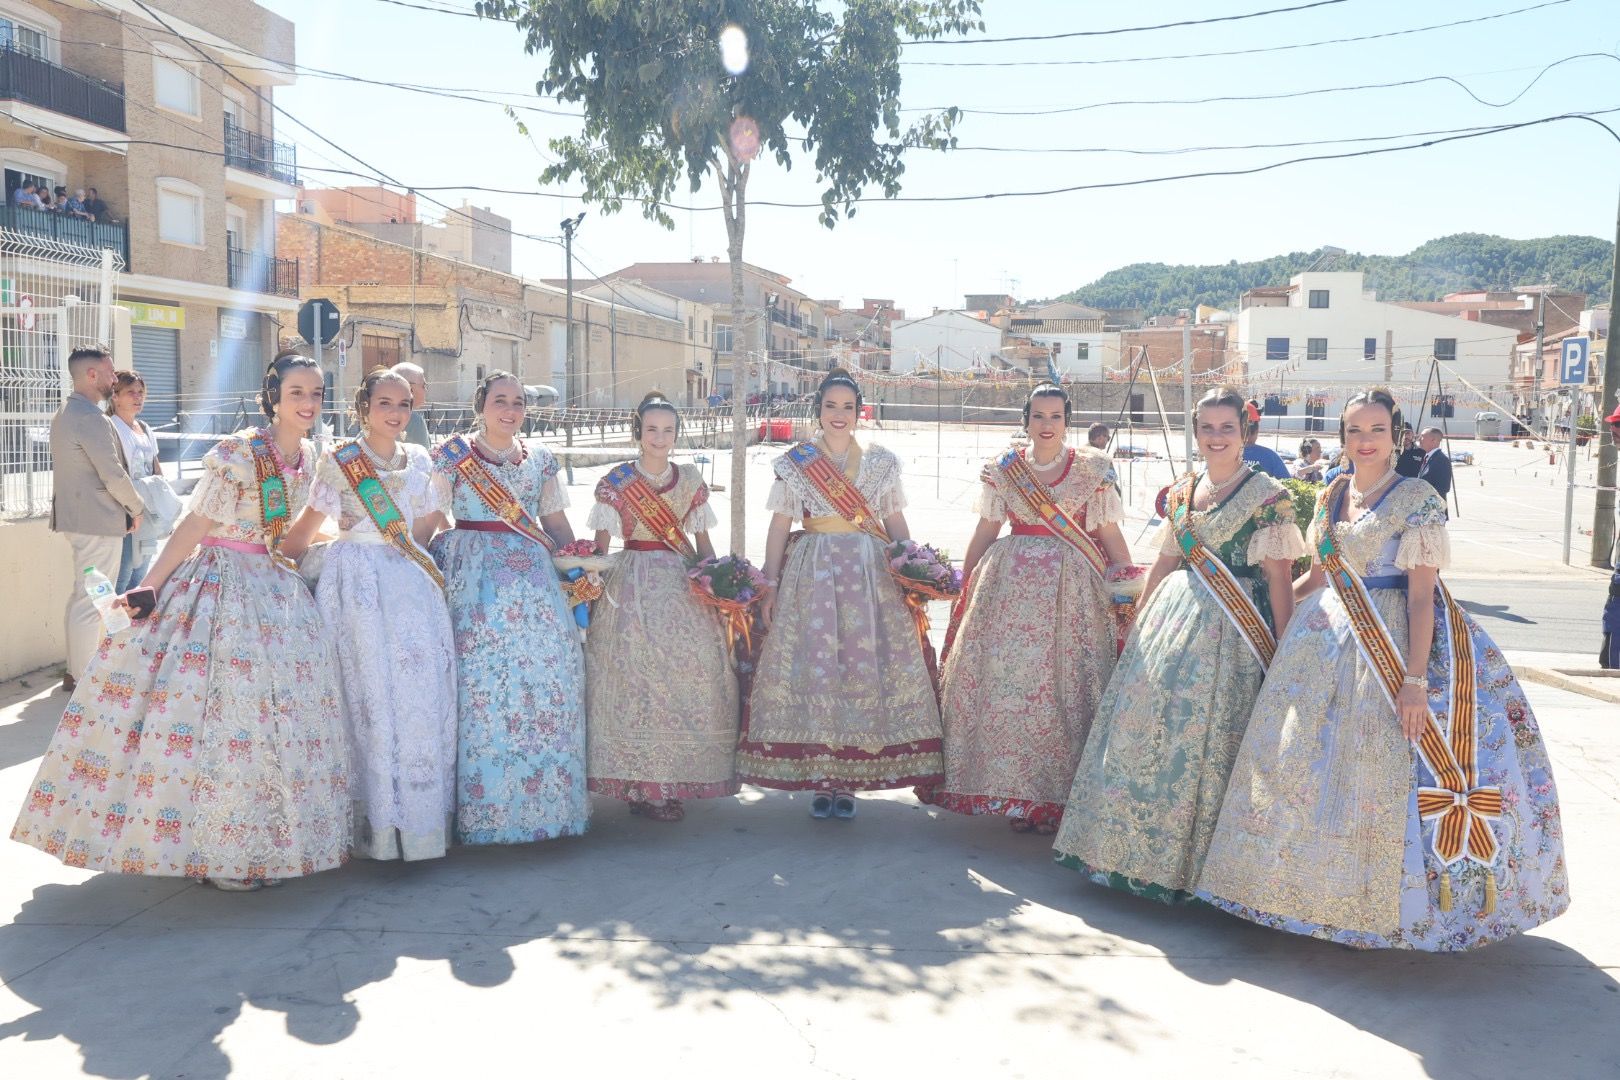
x: 571, y: 373
x: 1603, y: 513
x: 1186, y: 384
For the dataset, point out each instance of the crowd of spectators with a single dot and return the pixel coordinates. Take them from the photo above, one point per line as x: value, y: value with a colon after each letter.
x: 82, y: 204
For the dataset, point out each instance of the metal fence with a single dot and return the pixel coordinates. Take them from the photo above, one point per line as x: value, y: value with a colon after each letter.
x: 52, y: 296
x: 36, y: 81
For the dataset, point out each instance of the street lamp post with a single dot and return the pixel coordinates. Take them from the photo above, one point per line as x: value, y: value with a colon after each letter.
x: 570, y: 373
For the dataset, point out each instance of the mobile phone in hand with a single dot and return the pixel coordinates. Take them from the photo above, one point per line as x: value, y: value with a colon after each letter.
x: 141, y: 603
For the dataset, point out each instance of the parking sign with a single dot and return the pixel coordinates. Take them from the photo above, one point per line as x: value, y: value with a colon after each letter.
x: 1572, y: 362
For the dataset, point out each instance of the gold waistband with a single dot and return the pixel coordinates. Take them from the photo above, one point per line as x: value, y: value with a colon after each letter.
x: 830, y: 524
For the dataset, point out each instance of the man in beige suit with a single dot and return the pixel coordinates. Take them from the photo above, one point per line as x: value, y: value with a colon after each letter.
x: 94, y: 503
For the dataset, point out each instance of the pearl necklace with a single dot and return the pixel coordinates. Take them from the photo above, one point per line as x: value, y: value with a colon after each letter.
x: 393, y: 462
x: 1050, y: 465
x: 511, y: 455
x: 1359, y: 499
x: 658, y: 479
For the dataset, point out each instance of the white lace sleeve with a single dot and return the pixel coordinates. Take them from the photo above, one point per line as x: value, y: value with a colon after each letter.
x: 782, y: 501
x: 991, y: 506
x: 1104, y: 508
x: 893, y: 500
x: 227, y: 469
x: 440, y: 494
x: 604, y: 518
x: 325, y: 492
x: 553, y: 497
x: 1425, y: 545
x: 701, y: 519
x: 1164, y: 541
x: 1280, y: 541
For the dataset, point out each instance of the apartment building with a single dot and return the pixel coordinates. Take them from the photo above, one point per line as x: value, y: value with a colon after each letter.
x: 170, y: 119
x: 1313, y: 343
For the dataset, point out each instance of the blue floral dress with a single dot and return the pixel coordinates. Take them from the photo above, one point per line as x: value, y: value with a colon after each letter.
x: 520, y: 762
x: 1320, y: 832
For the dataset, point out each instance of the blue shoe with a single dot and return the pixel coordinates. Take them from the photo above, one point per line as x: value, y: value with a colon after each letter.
x: 821, y: 805
x: 843, y: 806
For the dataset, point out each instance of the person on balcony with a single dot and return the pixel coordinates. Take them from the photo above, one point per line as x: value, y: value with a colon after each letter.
x: 26, y: 196
x: 75, y: 207
x: 96, y: 208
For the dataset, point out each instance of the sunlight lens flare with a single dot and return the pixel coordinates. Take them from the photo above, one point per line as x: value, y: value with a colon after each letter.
x: 734, y: 50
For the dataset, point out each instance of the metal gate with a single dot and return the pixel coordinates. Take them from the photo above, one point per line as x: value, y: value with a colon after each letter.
x: 156, y: 355
x: 54, y: 297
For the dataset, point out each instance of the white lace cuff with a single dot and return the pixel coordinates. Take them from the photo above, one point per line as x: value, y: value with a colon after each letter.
x: 324, y: 498
x: 991, y: 506
x: 1104, y: 508
x: 1280, y: 541
x: 1425, y: 545
x: 217, y: 494
x: 892, y: 501
x: 604, y: 518
x: 701, y: 519
x: 553, y: 497
x: 782, y: 501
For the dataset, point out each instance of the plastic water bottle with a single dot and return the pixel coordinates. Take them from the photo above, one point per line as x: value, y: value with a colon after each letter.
x: 115, y: 620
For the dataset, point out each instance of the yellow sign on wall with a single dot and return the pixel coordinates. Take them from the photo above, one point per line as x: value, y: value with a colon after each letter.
x: 169, y: 318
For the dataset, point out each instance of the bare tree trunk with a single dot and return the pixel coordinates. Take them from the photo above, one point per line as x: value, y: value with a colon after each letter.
x: 734, y: 190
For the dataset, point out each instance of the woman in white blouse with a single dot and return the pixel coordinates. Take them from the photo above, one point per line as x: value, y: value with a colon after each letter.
x: 141, y: 457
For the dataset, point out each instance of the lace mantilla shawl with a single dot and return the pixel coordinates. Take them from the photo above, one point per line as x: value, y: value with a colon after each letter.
x: 688, y: 497
x: 878, y: 480
x: 1412, y: 515
x: 1259, y: 499
x: 1087, y: 491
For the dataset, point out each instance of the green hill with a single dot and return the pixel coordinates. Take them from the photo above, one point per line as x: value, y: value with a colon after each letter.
x: 1449, y: 264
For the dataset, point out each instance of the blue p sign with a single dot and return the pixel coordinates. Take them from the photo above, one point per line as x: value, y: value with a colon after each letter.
x: 1572, y: 362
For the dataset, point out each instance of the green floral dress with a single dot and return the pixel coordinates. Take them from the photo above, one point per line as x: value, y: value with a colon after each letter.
x: 1144, y: 802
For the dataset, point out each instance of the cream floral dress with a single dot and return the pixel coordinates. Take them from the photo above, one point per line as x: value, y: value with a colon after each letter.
x: 660, y: 689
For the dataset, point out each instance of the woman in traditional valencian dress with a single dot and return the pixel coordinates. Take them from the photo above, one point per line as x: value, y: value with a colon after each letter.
x: 842, y: 699
x: 206, y: 742
x: 383, y: 601
x: 1149, y: 787
x: 520, y: 763
x: 660, y: 689
x: 1035, y: 643
x: 1392, y: 790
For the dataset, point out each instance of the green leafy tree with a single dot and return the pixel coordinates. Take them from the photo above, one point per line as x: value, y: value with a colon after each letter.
x: 663, y: 103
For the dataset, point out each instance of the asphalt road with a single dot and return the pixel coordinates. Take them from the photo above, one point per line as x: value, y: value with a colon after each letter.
x: 1536, y: 615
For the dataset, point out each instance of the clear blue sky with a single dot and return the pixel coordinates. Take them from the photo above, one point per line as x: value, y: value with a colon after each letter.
x: 1559, y: 178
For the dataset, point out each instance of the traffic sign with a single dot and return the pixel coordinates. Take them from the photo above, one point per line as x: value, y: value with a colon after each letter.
x: 319, y: 321
x: 1572, y: 361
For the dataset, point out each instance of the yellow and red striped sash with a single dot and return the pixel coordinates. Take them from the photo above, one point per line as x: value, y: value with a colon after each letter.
x: 1044, y: 505
x: 1462, y: 806
x: 380, y: 506
x: 839, y: 490
x: 650, y: 508
x: 1233, y: 599
x: 458, y: 454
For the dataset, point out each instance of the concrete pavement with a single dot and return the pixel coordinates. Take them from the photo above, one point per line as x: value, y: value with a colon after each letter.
x: 750, y: 939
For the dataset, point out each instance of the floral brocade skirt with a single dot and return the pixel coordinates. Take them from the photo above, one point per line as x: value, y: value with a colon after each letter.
x: 1320, y: 832
x: 205, y: 742
x: 661, y: 691
x: 1149, y: 787
x: 1018, y: 691
x: 842, y: 699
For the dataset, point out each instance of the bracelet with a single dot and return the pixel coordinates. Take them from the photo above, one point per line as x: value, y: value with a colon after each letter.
x: 1415, y: 680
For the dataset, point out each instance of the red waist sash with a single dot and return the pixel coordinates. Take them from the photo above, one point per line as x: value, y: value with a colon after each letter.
x: 645, y: 545
x: 1020, y: 529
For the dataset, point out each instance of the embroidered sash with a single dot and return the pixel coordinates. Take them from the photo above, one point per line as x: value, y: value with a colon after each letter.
x: 650, y: 508
x: 457, y: 453
x: 1040, y: 500
x: 275, y: 511
x: 837, y: 489
x: 1449, y: 752
x: 380, y: 507
x: 1232, y: 598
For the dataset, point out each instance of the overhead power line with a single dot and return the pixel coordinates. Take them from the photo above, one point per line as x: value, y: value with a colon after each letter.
x: 1125, y: 29
x: 1232, y: 52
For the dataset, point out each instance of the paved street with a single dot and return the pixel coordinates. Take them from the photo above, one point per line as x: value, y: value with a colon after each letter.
x: 750, y: 939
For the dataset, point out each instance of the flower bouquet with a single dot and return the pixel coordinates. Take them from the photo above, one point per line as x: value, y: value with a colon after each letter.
x: 924, y: 573
x: 732, y: 586
x: 580, y: 568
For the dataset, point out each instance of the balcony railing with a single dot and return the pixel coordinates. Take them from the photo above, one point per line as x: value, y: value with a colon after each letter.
x: 257, y: 154
x: 262, y: 273
x: 27, y: 78
x: 66, y: 229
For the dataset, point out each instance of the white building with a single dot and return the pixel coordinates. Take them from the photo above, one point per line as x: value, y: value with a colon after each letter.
x: 1081, y: 356
x: 1310, y: 345
x: 952, y: 340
